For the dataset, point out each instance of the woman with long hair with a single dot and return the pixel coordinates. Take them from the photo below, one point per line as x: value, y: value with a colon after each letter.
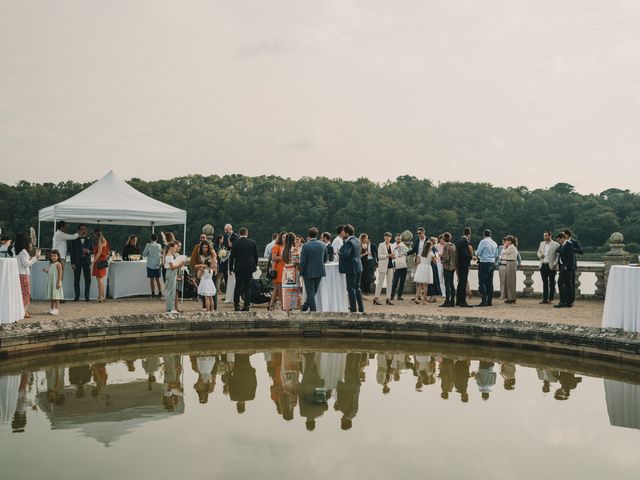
x: 291, y: 273
x: 207, y: 261
x: 171, y: 287
x: 23, y: 246
x: 278, y: 266
x: 100, y: 262
x: 131, y: 248
x: 217, y: 245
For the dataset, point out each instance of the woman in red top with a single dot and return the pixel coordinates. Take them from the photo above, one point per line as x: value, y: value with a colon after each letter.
x: 100, y: 254
x: 277, y: 264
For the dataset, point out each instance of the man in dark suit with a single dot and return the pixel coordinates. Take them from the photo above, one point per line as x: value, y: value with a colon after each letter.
x: 312, y: 259
x: 351, y: 265
x: 242, y: 381
x: 566, y: 265
x: 463, y: 250
x: 418, y: 242
x: 81, y: 249
x: 577, y: 250
x: 326, y: 239
x: 243, y: 261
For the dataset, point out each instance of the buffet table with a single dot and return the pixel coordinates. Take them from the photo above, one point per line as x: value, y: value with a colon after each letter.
x: 128, y: 279
x: 39, y: 281
x: 11, y: 308
x: 623, y: 403
x: 622, y: 302
x: 332, y: 292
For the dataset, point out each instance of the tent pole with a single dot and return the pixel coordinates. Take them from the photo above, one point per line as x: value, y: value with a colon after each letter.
x: 54, y: 230
x: 38, y: 233
x: 184, y: 249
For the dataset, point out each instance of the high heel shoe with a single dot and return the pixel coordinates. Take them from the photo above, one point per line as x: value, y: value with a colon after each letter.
x: 376, y: 301
x: 389, y: 302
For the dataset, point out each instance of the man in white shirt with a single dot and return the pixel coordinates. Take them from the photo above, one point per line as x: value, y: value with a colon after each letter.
x: 339, y: 240
x: 548, y: 255
x: 270, y: 245
x: 60, y: 239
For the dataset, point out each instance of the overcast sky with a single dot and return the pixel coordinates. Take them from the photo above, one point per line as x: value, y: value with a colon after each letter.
x: 512, y: 92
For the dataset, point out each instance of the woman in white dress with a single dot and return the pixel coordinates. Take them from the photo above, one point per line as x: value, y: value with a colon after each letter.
x: 207, y: 287
x: 424, y: 272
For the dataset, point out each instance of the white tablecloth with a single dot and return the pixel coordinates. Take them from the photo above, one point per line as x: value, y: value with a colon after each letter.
x: 8, y: 397
x: 39, y: 281
x: 332, y: 292
x: 622, y: 303
x: 128, y: 279
x: 623, y: 403
x: 11, y: 308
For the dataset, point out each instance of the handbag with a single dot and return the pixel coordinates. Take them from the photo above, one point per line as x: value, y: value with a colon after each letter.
x: 272, y: 274
x: 102, y: 263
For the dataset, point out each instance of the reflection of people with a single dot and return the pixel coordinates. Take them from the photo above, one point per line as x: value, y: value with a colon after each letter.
x: 461, y: 379
x: 172, y: 391
x: 568, y: 382
x: 205, y: 367
x: 79, y: 376
x: 446, y: 377
x: 151, y: 365
x: 310, y: 408
x: 508, y: 373
x: 485, y: 378
x: 100, y: 376
x: 382, y: 375
x: 348, y: 391
x: 19, y: 422
x: 548, y: 377
x: 55, y: 385
x: 242, y: 381
x: 425, y: 371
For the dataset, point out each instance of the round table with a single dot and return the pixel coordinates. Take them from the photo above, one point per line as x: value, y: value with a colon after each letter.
x: 332, y: 292
x: 622, y: 301
x: 11, y: 308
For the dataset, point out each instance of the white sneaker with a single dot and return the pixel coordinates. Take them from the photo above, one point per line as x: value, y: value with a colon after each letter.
x: 50, y: 311
x: 173, y: 311
x: 54, y: 311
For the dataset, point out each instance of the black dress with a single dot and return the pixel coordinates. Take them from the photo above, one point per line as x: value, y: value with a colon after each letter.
x: 130, y: 250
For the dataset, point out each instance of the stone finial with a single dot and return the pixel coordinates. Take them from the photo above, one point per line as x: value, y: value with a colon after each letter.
x: 407, y: 237
x: 616, y: 245
x: 208, y: 231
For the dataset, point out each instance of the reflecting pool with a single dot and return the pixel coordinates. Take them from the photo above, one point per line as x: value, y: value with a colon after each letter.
x: 317, y: 408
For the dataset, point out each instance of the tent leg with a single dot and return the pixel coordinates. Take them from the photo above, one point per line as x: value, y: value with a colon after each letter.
x: 54, y: 231
x: 184, y: 249
x: 38, y: 234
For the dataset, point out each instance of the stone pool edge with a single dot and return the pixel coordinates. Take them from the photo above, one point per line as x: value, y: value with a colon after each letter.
x: 26, y: 337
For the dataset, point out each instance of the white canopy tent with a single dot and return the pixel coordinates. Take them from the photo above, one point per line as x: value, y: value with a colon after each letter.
x: 112, y: 201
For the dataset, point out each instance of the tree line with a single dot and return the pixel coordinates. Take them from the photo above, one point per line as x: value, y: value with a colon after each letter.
x: 268, y: 204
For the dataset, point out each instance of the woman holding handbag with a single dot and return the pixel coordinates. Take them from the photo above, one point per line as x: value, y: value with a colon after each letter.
x: 100, y: 262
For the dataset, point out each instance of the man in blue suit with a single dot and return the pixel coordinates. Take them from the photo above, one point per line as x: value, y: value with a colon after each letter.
x: 312, y: 259
x: 351, y: 265
x: 566, y: 262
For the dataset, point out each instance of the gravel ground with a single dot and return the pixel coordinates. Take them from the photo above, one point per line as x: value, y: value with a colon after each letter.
x: 585, y: 312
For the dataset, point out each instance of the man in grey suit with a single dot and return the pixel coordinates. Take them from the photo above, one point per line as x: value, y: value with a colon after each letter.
x: 312, y: 259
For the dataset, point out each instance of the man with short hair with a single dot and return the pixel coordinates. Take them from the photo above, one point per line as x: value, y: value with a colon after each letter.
x: 566, y: 262
x: 326, y: 239
x: 548, y: 256
x: 270, y: 245
x: 339, y: 240
x: 463, y: 250
x: 312, y: 259
x: 59, y: 241
x: 153, y: 253
x: 486, y: 255
x: 400, y: 252
x: 418, y: 242
x: 243, y: 261
x: 577, y: 250
x: 449, y: 264
x: 80, y: 252
x: 351, y: 265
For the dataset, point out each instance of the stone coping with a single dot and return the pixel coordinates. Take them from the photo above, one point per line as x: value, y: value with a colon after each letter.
x: 34, y: 337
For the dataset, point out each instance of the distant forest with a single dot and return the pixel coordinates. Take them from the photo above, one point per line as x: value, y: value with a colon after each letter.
x: 268, y: 203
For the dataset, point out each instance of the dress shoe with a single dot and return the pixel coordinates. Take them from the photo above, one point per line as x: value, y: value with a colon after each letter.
x: 543, y: 301
x: 77, y: 299
x: 304, y: 307
x: 483, y: 304
x: 400, y: 299
x: 445, y: 305
x: 465, y: 305
x: 560, y: 305
x: 236, y: 308
x: 245, y: 309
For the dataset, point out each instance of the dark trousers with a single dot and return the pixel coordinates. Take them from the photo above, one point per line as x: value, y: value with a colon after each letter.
x: 311, y: 286
x: 83, y: 268
x: 243, y: 287
x: 449, y: 287
x: 572, y: 290
x: 485, y: 281
x: 461, y: 292
x: 564, y: 286
x: 368, y: 270
x: 399, y: 276
x: 353, y: 290
x: 548, y: 282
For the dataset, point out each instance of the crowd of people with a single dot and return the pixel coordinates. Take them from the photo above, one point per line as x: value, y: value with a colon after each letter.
x: 299, y: 380
x: 229, y: 263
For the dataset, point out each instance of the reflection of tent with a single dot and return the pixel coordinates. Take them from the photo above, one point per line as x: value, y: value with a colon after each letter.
x: 113, y: 201
x: 623, y: 403
x: 8, y: 397
x: 116, y: 411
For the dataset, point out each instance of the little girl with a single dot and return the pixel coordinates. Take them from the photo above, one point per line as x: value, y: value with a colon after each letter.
x: 207, y: 288
x: 424, y: 273
x: 54, y: 287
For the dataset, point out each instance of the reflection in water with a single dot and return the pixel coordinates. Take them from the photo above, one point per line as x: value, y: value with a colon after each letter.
x: 107, y: 400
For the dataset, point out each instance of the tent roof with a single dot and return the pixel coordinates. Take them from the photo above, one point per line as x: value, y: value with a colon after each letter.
x: 113, y: 201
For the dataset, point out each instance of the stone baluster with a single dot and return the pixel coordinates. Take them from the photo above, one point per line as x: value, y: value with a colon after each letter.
x: 616, y: 255
x: 528, y: 283
x: 599, y: 293
x: 578, y: 284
